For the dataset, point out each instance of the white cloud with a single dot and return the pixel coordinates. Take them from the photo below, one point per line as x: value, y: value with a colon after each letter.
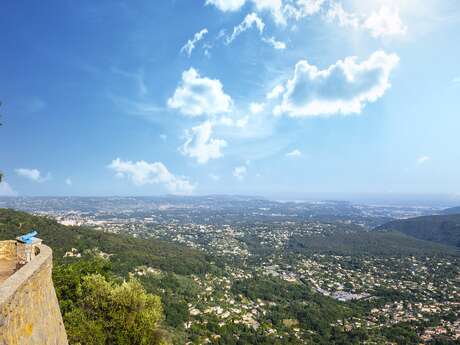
x: 275, y: 7
x: 279, y: 9
x: 385, y: 22
x: 249, y: 21
x: 240, y: 172
x: 227, y: 5
x: 303, y: 8
x: 256, y: 108
x: 198, y: 95
x: 142, y: 173
x: 68, y: 181
x: 344, y: 87
x: 382, y: 23
x: 163, y: 137
x: 190, y: 45
x: 6, y: 189
x: 200, y: 145
x: 214, y: 177
x: 456, y: 80
x: 423, y: 159
x: 276, y: 92
x: 32, y: 174
x: 279, y: 45
x: 344, y: 18
x: 239, y: 123
x: 207, y: 49
x: 294, y: 153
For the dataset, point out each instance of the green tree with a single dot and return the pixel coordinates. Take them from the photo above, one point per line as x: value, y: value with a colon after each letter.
x: 82, y: 330
x: 129, y: 314
x: 100, y: 309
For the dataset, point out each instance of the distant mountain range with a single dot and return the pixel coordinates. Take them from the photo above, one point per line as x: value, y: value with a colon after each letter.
x: 444, y: 229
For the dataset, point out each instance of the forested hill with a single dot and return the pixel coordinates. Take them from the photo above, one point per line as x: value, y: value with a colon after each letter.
x: 127, y: 251
x: 452, y: 210
x: 443, y: 229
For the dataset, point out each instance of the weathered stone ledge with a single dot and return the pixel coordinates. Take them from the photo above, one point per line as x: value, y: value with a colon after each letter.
x: 29, y: 310
x: 20, y: 277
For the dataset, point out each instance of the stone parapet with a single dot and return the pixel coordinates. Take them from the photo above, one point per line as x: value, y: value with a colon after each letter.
x: 29, y: 309
x: 8, y: 250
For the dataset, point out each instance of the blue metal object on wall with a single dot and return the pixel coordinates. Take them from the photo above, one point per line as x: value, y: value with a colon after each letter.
x: 28, y: 238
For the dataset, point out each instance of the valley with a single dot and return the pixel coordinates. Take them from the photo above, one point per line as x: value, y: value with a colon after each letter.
x: 246, y: 271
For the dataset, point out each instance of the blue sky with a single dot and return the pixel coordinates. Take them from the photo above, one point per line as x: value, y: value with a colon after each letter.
x: 267, y: 97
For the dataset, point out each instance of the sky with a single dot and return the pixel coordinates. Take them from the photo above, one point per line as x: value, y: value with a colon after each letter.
x: 255, y: 97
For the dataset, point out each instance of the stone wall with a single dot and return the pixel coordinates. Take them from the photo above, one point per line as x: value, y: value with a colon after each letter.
x: 7, y: 250
x: 29, y: 310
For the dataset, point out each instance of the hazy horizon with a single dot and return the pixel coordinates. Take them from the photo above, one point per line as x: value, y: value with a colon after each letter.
x: 432, y: 200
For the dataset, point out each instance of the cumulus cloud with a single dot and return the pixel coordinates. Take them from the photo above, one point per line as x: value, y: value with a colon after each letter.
x: 279, y: 9
x: 6, y: 189
x: 230, y: 122
x: 248, y: 22
x: 337, y: 13
x: 196, y: 96
x: 279, y: 45
x: 423, y: 159
x: 302, y: 8
x: 190, y: 45
x: 275, y: 7
x: 227, y: 5
x: 240, y: 172
x: 385, y: 22
x: 32, y: 174
x: 294, y: 153
x: 142, y: 173
x: 344, y: 87
x: 382, y: 23
x: 256, y: 108
x: 68, y: 181
x: 276, y: 92
x: 200, y: 145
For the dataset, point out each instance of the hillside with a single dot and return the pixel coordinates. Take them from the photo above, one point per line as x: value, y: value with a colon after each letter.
x: 452, y: 210
x: 368, y: 243
x: 127, y: 252
x: 444, y: 229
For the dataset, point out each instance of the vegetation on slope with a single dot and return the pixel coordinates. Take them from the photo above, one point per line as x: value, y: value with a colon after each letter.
x: 98, y: 308
x: 126, y: 252
x: 452, y: 210
x: 367, y: 243
x: 443, y: 229
x: 102, y: 304
x: 98, y: 305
